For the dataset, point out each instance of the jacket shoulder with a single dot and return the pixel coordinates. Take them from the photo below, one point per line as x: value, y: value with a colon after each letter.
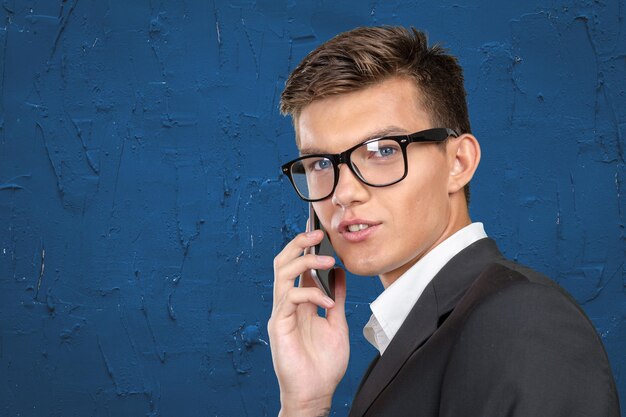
x: 524, y: 347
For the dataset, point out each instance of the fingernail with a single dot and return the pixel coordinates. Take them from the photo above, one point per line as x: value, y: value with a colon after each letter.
x: 312, y: 233
x: 324, y: 259
x: 328, y: 301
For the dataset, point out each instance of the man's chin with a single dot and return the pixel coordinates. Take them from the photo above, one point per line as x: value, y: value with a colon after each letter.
x: 364, y: 267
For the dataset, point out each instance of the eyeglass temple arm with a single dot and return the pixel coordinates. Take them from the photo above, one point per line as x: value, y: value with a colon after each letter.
x: 434, y: 135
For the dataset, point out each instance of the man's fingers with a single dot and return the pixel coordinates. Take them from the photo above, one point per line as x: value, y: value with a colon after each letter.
x: 295, y: 248
x: 296, y: 296
x: 284, y: 278
x: 325, y: 263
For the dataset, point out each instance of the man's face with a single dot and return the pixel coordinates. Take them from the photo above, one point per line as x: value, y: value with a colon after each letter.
x: 405, y: 220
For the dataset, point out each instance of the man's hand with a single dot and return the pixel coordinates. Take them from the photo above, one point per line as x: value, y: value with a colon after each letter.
x: 310, y: 353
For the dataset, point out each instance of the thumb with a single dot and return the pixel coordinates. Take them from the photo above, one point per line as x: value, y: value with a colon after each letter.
x: 338, y: 311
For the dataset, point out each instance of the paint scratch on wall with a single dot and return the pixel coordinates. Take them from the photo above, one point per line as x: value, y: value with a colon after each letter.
x: 42, y: 266
x: 251, y: 46
x: 64, y: 18
x: 57, y: 174
x: 159, y: 352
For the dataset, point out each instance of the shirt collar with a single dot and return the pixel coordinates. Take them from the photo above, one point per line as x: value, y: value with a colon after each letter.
x: 393, y: 305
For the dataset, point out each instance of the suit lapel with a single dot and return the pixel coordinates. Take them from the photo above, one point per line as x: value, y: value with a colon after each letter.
x: 423, y: 320
x: 439, y: 297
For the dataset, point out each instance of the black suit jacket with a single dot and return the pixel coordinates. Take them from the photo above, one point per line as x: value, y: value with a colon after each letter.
x: 490, y: 338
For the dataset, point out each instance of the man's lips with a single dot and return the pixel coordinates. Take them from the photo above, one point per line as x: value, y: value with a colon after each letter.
x: 357, y: 230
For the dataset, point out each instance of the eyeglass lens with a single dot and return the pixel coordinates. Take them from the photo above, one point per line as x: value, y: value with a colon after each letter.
x: 377, y: 163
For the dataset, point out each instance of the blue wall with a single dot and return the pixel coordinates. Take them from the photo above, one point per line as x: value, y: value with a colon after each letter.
x: 141, y: 203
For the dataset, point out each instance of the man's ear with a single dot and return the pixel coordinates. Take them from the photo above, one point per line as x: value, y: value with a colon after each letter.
x: 463, y: 156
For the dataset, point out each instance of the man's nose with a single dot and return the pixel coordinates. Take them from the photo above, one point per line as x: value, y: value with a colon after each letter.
x: 350, y: 190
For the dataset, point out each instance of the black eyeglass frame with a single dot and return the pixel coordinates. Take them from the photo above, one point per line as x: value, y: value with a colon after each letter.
x: 435, y: 135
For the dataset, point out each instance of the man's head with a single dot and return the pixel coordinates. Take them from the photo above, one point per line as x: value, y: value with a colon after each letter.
x: 366, y: 56
x: 373, y: 82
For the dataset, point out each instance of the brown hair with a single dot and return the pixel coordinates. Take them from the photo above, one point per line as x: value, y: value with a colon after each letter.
x: 365, y: 56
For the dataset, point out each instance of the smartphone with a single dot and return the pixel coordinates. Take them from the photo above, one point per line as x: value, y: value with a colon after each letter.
x: 324, y: 279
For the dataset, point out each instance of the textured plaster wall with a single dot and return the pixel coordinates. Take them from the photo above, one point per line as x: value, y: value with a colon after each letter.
x: 141, y: 203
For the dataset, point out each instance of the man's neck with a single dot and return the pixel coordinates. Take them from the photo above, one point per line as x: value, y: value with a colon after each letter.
x: 456, y: 222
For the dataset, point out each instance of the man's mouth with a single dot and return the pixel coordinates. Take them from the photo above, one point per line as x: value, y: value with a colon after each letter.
x: 357, y: 227
x: 357, y: 230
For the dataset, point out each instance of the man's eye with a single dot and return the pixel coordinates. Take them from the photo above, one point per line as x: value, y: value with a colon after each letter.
x: 387, y: 151
x: 384, y: 152
x: 321, y: 164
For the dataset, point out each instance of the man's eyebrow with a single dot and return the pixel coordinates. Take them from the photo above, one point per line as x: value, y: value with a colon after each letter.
x: 386, y: 131
x: 311, y: 151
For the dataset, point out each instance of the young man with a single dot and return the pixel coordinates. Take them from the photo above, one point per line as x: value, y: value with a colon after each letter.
x: 386, y: 157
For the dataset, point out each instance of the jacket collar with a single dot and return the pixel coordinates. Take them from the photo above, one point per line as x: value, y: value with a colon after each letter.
x: 438, y: 299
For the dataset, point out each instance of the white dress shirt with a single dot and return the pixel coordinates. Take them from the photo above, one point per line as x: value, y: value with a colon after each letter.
x: 392, y: 307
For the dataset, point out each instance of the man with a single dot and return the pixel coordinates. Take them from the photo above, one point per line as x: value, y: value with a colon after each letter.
x: 386, y: 158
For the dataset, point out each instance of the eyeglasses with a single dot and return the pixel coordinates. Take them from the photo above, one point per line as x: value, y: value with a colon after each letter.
x: 376, y: 162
